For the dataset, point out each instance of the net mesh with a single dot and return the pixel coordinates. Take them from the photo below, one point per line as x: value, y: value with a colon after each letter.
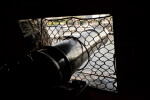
x: 99, y: 70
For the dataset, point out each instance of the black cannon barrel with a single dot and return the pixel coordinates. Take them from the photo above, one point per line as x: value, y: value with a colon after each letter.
x: 55, y: 64
x: 75, y: 50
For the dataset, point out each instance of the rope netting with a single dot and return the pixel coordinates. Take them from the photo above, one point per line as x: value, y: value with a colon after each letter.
x: 99, y: 70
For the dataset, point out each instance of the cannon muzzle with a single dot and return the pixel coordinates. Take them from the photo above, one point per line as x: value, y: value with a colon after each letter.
x: 55, y: 64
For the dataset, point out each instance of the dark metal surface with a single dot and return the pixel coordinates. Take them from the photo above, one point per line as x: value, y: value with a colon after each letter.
x: 76, y: 52
x: 57, y: 63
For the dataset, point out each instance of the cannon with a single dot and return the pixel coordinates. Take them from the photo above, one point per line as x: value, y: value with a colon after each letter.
x: 54, y: 65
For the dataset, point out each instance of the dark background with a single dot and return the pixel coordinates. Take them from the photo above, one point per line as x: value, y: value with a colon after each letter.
x: 130, y: 30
